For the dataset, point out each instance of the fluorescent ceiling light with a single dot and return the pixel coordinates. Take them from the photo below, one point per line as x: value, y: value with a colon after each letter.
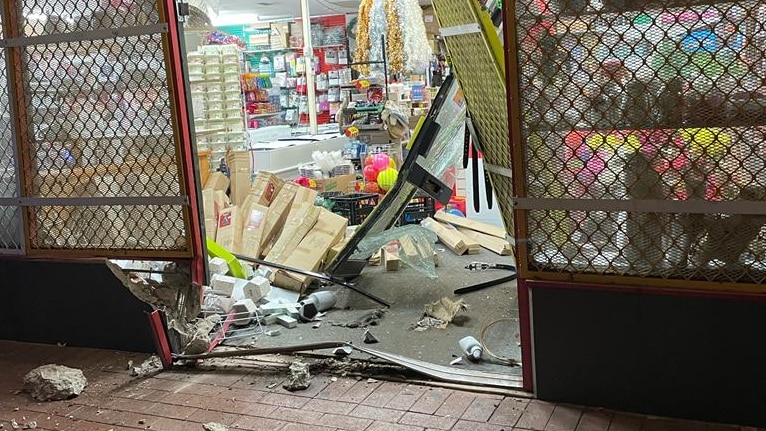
x: 276, y: 18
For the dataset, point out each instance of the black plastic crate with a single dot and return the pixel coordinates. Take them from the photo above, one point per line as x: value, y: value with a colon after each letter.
x: 355, y: 206
x: 419, y: 208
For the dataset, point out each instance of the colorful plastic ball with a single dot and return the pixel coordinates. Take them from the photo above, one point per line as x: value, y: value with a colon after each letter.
x: 370, y: 173
x: 368, y: 160
x: 359, y: 186
x: 380, y: 161
x: 372, y: 187
x: 387, y: 178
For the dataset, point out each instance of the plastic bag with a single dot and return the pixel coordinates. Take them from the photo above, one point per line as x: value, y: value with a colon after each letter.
x: 415, y: 245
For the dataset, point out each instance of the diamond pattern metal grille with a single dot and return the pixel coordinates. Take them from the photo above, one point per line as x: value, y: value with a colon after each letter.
x: 643, y: 137
x: 482, y: 79
x: 10, y: 223
x: 96, y: 126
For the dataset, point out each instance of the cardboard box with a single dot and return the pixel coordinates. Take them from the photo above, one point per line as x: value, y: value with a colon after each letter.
x: 430, y: 21
x: 208, y: 208
x: 226, y: 222
x: 341, y: 183
x: 277, y: 215
x: 239, y: 177
x: 217, y: 181
x: 280, y: 34
x: 299, y: 223
x: 240, y: 224
x: 265, y: 187
x: 303, y: 196
x: 254, y: 221
x: 312, y: 250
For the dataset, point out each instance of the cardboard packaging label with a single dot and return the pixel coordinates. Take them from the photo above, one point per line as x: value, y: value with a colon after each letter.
x: 217, y: 181
x: 254, y: 221
x: 266, y: 187
x: 226, y: 223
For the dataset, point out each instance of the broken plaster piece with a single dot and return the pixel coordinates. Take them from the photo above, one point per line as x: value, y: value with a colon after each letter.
x: 223, y: 283
x: 54, y: 383
x: 456, y: 361
x: 445, y: 310
x: 214, y: 426
x: 369, y: 338
x: 244, y: 310
x: 300, y: 377
x: 218, y: 265
x: 274, y: 332
x: 342, y: 351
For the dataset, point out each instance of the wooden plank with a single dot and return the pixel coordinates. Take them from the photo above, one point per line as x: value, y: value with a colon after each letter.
x: 478, y: 226
x: 451, y: 238
x: 391, y: 260
x: 491, y: 243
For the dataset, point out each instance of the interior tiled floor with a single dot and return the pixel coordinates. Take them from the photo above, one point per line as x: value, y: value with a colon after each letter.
x: 245, y: 397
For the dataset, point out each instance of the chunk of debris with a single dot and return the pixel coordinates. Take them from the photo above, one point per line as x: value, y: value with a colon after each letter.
x: 54, y: 382
x: 342, y: 351
x: 199, y: 340
x: 244, y: 310
x: 369, y: 338
x: 445, y: 310
x: 300, y: 378
x: 456, y: 361
x: 427, y: 323
x: 214, y: 426
x: 274, y: 332
x: 371, y: 318
x: 148, y: 367
x: 287, y: 321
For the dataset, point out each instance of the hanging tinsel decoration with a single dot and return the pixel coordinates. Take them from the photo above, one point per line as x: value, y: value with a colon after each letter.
x: 362, y: 53
x: 378, y: 29
x: 416, y: 50
x: 394, y: 44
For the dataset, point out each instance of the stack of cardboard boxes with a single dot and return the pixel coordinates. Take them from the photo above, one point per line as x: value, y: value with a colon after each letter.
x: 274, y: 220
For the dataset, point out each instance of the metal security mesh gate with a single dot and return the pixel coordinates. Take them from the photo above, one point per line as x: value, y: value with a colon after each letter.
x: 642, y: 144
x: 91, y: 143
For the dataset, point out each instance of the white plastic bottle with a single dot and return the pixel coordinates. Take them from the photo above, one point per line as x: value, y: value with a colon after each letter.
x: 471, y: 347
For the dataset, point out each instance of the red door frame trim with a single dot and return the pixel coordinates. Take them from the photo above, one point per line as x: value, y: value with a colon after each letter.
x: 187, y: 149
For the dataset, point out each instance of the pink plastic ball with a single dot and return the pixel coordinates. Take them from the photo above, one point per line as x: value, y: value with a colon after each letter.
x: 380, y: 161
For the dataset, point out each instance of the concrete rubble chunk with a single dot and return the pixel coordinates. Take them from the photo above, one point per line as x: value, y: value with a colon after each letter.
x: 54, y: 382
x: 214, y: 426
x: 148, y: 367
x: 300, y: 377
x: 218, y: 265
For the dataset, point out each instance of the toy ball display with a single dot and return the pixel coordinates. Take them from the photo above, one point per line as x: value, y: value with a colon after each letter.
x: 387, y: 178
x: 381, y: 161
x: 368, y: 160
x: 370, y: 173
x: 372, y: 187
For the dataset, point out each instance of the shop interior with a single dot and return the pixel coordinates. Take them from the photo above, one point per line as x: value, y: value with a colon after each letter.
x: 302, y: 129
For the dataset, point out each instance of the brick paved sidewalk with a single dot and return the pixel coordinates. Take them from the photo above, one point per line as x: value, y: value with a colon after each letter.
x: 246, y: 399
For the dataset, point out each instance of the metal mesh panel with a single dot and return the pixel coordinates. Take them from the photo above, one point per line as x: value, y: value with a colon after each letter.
x: 100, y: 161
x: 643, y: 138
x: 10, y: 222
x: 46, y: 17
x: 478, y: 69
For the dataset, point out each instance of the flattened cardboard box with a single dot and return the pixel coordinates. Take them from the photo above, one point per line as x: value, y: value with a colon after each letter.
x: 226, y: 221
x: 217, y: 181
x: 266, y: 187
x: 240, y: 224
x: 312, y: 250
x: 298, y: 225
x: 278, y: 212
x: 254, y: 220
